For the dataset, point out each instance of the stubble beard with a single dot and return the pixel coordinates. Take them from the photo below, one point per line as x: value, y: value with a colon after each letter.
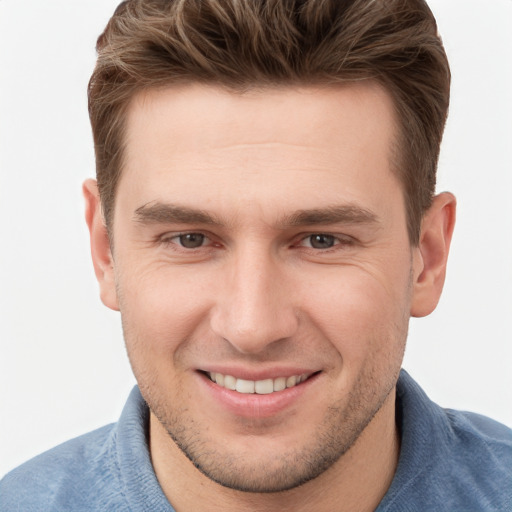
x: 339, y: 431
x: 343, y: 424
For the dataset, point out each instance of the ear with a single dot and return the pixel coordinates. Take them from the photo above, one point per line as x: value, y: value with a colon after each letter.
x: 100, y: 245
x: 431, y: 255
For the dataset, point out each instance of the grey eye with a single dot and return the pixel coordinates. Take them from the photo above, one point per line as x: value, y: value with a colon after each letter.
x: 192, y: 240
x: 322, y: 241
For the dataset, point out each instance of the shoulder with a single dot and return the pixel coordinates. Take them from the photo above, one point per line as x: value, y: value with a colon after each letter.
x: 449, y: 460
x: 471, y: 468
x: 61, y: 478
x: 481, y: 426
x: 107, y: 469
x: 482, y: 444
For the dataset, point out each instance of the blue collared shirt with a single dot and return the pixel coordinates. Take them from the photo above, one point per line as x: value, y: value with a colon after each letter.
x: 449, y: 461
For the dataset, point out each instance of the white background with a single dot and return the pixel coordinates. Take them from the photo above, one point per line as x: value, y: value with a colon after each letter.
x: 63, y: 369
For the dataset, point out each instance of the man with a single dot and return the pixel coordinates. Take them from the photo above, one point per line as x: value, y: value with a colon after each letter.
x: 264, y: 219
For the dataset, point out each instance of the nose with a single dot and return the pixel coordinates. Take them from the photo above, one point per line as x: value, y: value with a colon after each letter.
x: 254, y: 307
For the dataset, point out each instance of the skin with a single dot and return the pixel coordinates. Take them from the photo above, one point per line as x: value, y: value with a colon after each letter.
x: 255, y: 176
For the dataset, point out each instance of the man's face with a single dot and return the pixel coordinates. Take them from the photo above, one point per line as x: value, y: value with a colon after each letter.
x: 260, y: 241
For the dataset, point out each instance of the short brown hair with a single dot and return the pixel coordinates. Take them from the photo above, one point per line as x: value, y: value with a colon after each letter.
x: 241, y: 44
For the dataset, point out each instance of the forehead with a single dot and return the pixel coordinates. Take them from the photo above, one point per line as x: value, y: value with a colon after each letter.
x: 267, y: 114
x: 272, y: 146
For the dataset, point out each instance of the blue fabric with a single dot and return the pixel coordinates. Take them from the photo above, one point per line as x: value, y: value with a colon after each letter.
x: 106, y: 470
x: 449, y: 461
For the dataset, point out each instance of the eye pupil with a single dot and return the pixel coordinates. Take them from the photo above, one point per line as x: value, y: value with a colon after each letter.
x: 321, y: 241
x: 192, y: 240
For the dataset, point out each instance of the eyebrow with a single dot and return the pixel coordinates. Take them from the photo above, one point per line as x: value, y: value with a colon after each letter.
x: 345, y: 214
x: 165, y: 213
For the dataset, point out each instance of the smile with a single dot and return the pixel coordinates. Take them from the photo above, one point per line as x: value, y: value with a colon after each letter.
x: 260, y: 387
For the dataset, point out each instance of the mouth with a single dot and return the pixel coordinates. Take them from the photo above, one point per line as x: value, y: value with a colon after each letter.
x: 260, y: 387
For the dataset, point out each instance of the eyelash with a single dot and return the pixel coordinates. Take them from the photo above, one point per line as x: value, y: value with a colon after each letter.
x: 340, y: 241
x: 168, y: 241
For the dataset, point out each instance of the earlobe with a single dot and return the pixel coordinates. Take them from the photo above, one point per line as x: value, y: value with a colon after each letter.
x: 431, y: 255
x: 100, y: 245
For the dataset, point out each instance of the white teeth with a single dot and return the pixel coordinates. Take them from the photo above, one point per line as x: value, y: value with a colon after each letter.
x: 261, y: 387
x: 229, y: 382
x: 291, y: 381
x: 264, y: 387
x: 245, y: 386
x: 280, y: 384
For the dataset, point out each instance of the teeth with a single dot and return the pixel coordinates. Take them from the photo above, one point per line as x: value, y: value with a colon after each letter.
x: 229, y: 382
x: 245, y: 386
x: 280, y: 384
x: 291, y: 381
x: 264, y: 387
x: 260, y: 387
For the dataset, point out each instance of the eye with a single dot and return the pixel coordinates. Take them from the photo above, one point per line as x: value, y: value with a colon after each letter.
x: 321, y: 241
x: 190, y: 240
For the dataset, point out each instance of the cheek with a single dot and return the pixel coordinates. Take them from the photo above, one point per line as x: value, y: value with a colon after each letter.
x: 161, y: 309
x: 357, y: 310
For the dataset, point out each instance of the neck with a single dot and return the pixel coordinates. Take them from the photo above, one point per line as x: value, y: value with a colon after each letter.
x: 356, y: 482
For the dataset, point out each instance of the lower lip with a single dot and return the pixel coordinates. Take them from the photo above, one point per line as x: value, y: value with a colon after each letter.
x: 253, y: 405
